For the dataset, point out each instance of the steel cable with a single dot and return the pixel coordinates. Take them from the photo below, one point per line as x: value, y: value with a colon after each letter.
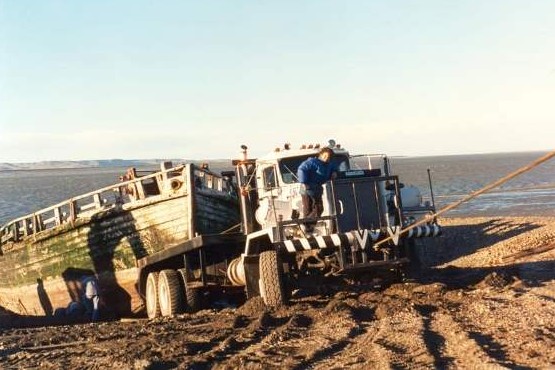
x: 485, y: 189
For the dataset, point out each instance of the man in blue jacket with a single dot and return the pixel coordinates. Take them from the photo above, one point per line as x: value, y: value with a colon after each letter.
x: 312, y: 174
x: 91, y: 297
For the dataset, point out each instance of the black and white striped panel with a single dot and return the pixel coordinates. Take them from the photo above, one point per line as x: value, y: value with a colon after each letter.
x: 317, y: 242
x: 424, y: 231
x: 348, y: 239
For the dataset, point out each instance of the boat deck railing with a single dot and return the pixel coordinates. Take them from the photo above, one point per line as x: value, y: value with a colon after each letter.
x: 132, y: 189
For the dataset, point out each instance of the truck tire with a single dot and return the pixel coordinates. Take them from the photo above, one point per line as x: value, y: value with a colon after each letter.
x: 151, y: 296
x: 169, y: 293
x: 272, y: 282
x: 193, y: 298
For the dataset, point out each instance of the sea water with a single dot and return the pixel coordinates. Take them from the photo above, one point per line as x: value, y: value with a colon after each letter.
x: 453, y: 177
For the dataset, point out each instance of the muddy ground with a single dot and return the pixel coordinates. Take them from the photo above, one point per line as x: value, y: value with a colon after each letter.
x: 485, y: 298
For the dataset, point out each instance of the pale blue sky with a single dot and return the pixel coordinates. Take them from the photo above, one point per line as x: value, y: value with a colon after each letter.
x: 183, y: 79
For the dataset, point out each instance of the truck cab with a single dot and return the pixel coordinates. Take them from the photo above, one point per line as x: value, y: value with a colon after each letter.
x: 279, y: 195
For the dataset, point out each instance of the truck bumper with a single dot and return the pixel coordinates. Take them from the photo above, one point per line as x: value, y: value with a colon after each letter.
x: 363, y: 239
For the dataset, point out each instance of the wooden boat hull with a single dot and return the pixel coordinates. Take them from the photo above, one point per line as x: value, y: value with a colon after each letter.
x: 42, y: 271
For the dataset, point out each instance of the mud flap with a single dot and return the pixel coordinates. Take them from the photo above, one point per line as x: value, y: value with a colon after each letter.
x: 252, y: 275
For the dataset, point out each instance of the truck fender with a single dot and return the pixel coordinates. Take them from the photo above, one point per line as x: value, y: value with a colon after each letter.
x: 259, y: 241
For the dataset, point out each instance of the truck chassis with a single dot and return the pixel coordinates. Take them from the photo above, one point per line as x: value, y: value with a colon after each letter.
x: 360, y: 232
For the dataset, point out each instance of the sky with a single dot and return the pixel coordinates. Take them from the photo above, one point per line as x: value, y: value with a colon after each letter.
x: 82, y: 80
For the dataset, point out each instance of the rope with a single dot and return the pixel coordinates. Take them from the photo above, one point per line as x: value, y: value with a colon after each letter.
x: 486, y: 188
x: 237, y: 226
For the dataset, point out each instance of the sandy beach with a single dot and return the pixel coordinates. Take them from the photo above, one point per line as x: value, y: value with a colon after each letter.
x: 484, y: 297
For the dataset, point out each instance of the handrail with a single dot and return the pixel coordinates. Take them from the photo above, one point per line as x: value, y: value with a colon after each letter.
x: 101, y: 190
x: 33, y: 222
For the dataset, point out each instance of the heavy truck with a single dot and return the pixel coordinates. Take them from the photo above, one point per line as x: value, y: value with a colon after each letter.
x: 269, y: 253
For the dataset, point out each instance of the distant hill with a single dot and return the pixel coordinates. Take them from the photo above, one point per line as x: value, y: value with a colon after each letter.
x: 103, y: 163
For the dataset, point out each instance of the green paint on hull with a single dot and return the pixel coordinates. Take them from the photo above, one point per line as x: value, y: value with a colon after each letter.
x: 112, y: 240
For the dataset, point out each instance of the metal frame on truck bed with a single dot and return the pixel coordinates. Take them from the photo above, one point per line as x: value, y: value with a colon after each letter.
x: 177, y: 279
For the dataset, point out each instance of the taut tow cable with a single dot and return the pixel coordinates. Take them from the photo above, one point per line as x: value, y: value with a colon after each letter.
x: 485, y: 189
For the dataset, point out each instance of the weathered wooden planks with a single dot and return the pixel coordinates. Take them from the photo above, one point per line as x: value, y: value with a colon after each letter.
x: 107, y: 239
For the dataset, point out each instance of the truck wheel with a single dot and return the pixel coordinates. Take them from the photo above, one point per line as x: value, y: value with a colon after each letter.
x: 151, y: 293
x: 169, y: 293
x: 272, y: 282
x: 193, y: 298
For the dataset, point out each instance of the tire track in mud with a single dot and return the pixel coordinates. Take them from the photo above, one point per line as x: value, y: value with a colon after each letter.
x: 451, y: 345
x: 413, y: 327
x: 291, y: 337
x: 503, y: 323
x: 389, y: 342
x: 313, y: 335
x: 278, y: 348
x: 397, y: 336
x: 447, y: 339
x: 246, y: 332
x: 340, y: 324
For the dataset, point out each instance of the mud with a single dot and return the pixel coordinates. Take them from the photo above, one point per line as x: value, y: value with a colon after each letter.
x: 484, y: 297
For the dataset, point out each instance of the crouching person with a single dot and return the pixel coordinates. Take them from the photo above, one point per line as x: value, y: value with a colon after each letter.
x: 91, y: 297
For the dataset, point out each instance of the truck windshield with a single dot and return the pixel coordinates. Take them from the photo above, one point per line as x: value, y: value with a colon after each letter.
x: 288, y: 166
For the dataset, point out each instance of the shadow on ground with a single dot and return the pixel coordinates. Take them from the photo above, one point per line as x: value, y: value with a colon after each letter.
x: 530, y: 273
x: 463, y: 240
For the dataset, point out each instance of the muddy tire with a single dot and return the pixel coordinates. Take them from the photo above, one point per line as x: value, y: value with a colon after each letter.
x: 272, y: 282
x: 151, y: 296
x: 169, y: 293
x: 194, y: 299
x: 193, y: 296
